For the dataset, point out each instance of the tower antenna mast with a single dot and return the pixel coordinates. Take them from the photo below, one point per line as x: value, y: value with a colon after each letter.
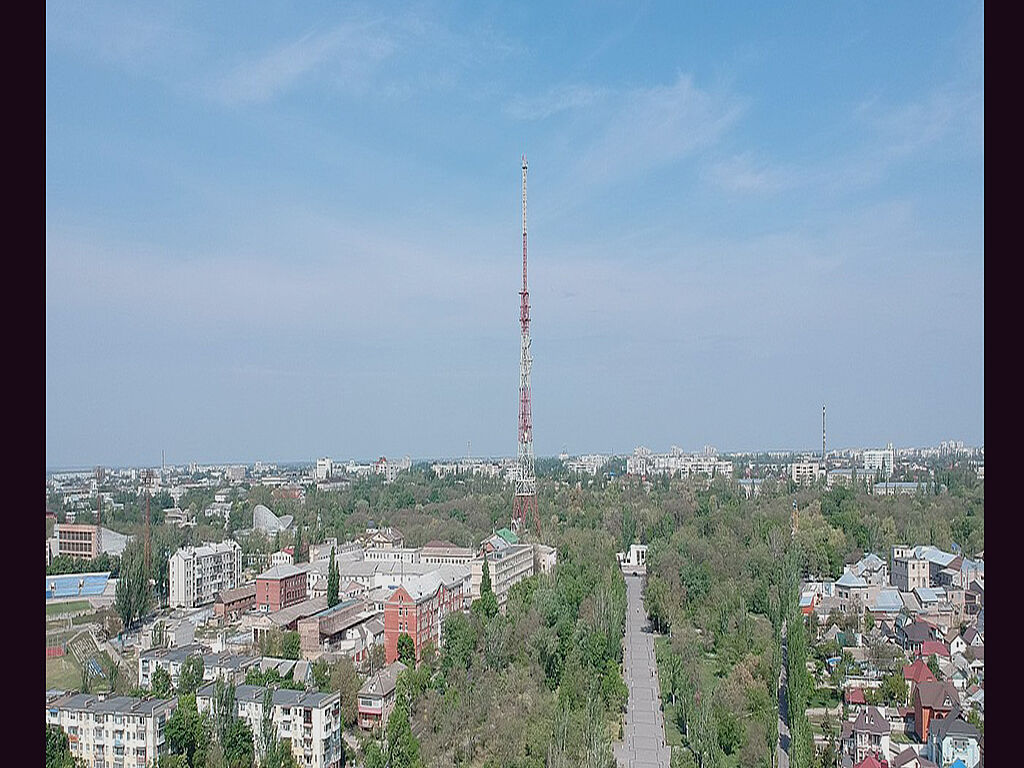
x: 524, y: 504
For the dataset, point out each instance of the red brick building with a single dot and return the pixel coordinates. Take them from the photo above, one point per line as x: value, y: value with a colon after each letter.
x: 281, y: 586
x: 232, y: 602
x: 418, y: 609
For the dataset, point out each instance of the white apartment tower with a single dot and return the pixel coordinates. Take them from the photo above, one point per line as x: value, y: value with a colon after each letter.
x: 197, y: 574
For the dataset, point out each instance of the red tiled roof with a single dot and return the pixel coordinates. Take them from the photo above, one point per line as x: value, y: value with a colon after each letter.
x: 939, y: 648
x: 918, y: 672
x: 855, y: 696
x: 869, y: 762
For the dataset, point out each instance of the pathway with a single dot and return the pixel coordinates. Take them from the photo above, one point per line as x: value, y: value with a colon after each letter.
x: 643, y: 744
x: 782, y: 750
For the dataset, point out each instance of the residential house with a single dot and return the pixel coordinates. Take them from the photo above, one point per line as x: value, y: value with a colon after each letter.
x: 932, y: 701
x: 952, y: 739
x: 867, y: 735
x: 915, y: 673
x: 910, y: 758
x: 376, y: 699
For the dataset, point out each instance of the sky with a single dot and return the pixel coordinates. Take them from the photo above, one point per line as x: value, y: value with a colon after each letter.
x: 282, y: 231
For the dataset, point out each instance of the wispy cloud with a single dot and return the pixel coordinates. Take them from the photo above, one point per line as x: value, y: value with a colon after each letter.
x: 658, y: 126
x: 555, y: 100
x: 349, y: 51
x: 744, y: 173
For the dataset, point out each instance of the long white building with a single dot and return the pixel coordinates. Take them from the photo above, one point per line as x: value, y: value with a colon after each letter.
x: 197, y: 574
x: 310, y: 722
x: 112, y: 732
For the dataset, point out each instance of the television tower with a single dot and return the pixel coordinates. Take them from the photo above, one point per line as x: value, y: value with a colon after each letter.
x: 525, y: 501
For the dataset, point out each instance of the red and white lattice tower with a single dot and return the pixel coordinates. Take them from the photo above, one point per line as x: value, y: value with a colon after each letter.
x: 524, y: 505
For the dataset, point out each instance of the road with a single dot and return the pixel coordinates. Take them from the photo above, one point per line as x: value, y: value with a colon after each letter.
x: 782, y: 757
x: 643, y: 744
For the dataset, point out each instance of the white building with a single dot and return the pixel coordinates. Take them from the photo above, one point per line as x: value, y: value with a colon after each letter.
x: 310, y: 722
x: 324, y: 468
x: 197, y: 574
x: 589, y: 464
x: 507, y: 565
x: 391, y: 554
x: 804, y: 472
x: 643, y: 463
x: 880, y: 460
x: 112, y: 732
x: 635, y: 558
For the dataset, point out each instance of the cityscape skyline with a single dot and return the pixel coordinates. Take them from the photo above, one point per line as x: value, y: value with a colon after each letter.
x: 746, y: 221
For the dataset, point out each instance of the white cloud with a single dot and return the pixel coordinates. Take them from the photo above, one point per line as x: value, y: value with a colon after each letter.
x: 555, y: 100
x: 742, y: 173
x: 658, y: 126
x: 350, y: 50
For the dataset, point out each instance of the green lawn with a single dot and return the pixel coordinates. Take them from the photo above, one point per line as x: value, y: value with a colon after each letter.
x: 56, y: 609
x: 63, y: 673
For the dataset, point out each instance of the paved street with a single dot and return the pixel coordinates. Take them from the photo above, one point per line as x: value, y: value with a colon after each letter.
x: 643, y: 744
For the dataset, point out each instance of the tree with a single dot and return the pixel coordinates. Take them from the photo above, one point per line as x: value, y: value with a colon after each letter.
x: 237, y: 744
x: 933, y: 665
x: 297, y: 557
x: 188, y: 732
x: 132, y: 597
x: 58, y: 750
x: 406, y: 650
x: 332, y: 582
x: 160, y: 683
x: 291, y: 645
x: 403, y: 749
x: 487, y: 604
x: 191, y: 675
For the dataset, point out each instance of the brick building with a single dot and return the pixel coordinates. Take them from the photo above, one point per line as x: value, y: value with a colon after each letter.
x: 418, y: 609
x: 281, y: 586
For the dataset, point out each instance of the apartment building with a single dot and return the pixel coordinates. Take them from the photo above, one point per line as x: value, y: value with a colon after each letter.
x: 197, y: 574
x: 310, y: 722
x: 169, y: 659
x: 280, y: 587
x: 419, y: 607
x: 880, y: 460
x: 804, y: 472
x: 112, y: 732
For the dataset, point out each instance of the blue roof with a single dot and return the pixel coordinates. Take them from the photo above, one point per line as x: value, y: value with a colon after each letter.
x: 958, y: 763
x: 76, y: 585
x: 849, y: 580
x: 889, y: 601
x: 928, y: 594
x: 806, y: 599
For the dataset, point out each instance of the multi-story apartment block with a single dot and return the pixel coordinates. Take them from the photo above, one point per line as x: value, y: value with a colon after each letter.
x: 643, y: 463
x: 324, y: 468
x: 805, y: 472
x: 419, y: 607
x: 197, y: 574
x: 77, y: 540
x: 112, y: 732
x: 281, y: 586
x: 310, y: 722
x: 170, y: 660
x: 880, y: 460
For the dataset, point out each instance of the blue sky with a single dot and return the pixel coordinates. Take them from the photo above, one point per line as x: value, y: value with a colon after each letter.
x: 280, y: 231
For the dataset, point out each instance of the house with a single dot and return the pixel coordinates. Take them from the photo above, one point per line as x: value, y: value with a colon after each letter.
x: 283, y: 557
x: 973, y: 637
x: 915, y: 673
x: 952, y: 739
x: 376, y: 699
x: 932, y: 701
x: 855, y: 699
x: 956, y: 642
x: 933, y: 647
x: 909, y: 758
x: 867, y: 735
x: 913, y: 635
